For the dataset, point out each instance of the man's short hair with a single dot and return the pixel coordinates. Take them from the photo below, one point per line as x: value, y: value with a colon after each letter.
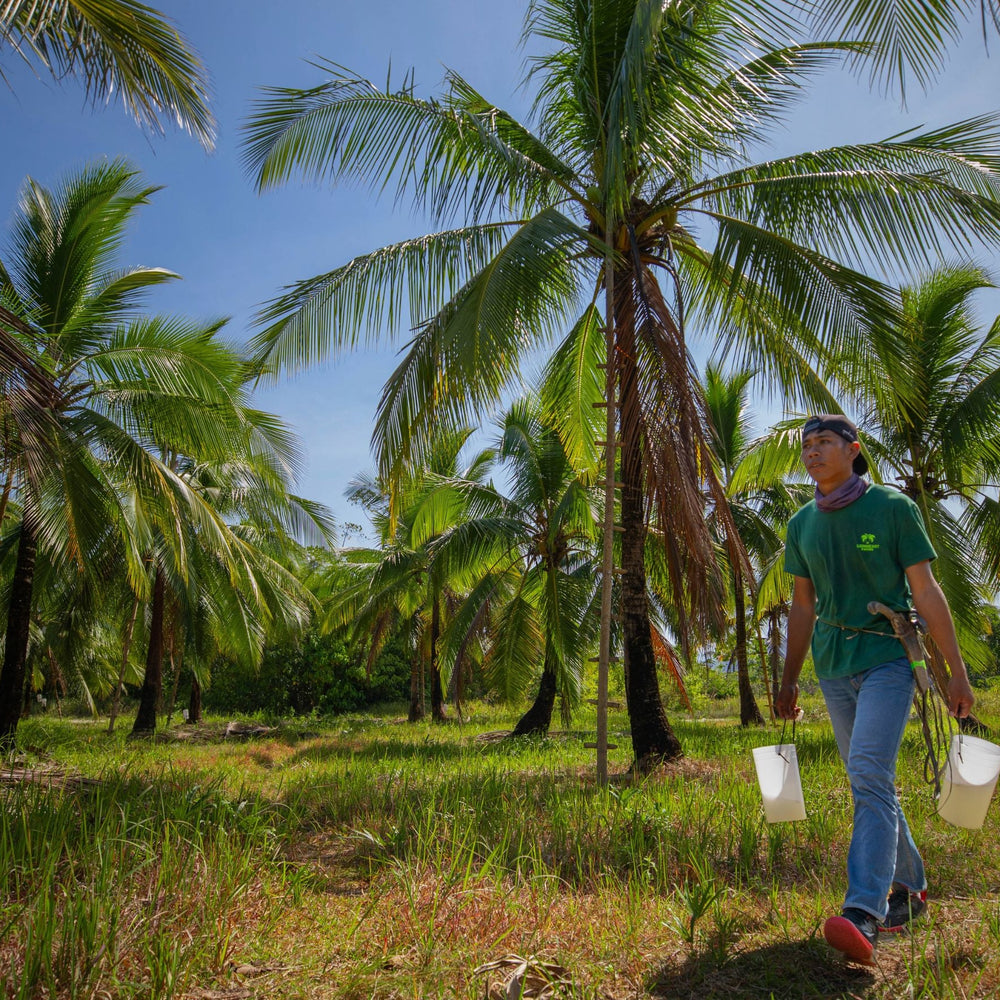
x: 838, y: 424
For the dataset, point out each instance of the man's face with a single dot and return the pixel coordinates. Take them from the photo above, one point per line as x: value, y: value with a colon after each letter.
x: 827, y: 456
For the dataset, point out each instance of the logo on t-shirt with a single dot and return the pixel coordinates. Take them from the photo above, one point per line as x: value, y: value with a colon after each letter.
x: 867, y: 543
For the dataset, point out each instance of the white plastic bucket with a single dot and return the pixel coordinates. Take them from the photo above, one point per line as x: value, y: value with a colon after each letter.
x: 780, y: 787
x: 968, y: 781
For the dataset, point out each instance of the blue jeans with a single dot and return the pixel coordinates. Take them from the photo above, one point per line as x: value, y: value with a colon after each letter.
x: 869, y: 712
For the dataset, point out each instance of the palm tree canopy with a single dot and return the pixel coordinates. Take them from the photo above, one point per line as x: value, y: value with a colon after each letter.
x: 631, y: 182
x: 929, y: 428
x: 525, y: 558
x: 131, y: 395
x: 116, y: 48
x: 636, y: 103
x: 940, y: 443
x: 373, y: 591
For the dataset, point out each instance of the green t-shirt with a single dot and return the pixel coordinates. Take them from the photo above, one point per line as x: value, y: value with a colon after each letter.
x: 852, y: 556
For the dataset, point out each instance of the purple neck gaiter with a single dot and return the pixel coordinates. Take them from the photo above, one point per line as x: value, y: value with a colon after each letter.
x: 843, y: 495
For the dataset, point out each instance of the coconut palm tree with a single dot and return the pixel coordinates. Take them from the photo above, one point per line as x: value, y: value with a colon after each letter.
x: 399, y: 586
x: 528, y: 559
x: 729, y: 430
x: 633, y: 185
x: 116, y: 48
x: 215, y: 615
x: 75, y: 643
x: 229, y: 590
x: 114, y: 379
x: 937, y: 438
x: 927, y: 396
x: 758, y: 510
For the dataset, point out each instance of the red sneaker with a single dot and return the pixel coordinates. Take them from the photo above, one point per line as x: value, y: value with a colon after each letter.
x: 855, y: 933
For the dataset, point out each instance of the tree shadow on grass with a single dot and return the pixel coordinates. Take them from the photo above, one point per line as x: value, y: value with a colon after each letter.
x: 804, y: 970
x: 400, y: 746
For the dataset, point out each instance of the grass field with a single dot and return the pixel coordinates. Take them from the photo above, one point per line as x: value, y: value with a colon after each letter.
x: 362, y: 857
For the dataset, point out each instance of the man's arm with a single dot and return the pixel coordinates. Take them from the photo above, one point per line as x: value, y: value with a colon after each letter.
x: 929, y: 600
x: 801, y: 618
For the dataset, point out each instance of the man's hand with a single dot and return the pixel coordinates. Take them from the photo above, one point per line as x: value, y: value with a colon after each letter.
x: 960, y: 696
x: 786, y: 705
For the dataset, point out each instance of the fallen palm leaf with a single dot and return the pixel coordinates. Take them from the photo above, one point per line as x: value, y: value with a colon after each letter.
x: 528, y: 979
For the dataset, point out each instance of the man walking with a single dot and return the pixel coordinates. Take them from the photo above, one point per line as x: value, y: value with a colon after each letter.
x: 852, y: 544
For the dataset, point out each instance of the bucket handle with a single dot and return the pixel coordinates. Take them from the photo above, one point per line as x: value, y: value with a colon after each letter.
x: 781, y: 739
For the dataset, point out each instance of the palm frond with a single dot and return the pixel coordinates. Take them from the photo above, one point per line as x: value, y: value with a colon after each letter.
x: 572, y: 385
x: 117, y: 48
x: 904, y: 199
x: 468, y: 354
x: 770, y: 459
x: 756, y: 93
x: 459, y: 154
x: 516, y: 650
x: 321, y: 316
x: 905, y: 38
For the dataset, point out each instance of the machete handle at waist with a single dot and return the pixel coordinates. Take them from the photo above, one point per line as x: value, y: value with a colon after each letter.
x: 907, y: 634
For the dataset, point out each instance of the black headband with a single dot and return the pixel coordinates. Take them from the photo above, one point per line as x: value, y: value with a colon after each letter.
x: 840, y: 425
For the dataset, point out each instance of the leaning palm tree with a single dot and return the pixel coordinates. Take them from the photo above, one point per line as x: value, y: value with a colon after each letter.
x: 117, y: 48
x: 112, y: 377
x: 633, y: 186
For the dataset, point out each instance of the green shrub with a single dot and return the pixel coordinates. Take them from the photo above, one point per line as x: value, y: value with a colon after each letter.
x: 320, y: 675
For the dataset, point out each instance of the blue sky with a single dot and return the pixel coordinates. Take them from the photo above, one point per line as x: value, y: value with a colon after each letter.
x: 235, y: 249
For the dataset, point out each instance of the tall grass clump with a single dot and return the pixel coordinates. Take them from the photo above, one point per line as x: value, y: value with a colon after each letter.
x: 129, y: 887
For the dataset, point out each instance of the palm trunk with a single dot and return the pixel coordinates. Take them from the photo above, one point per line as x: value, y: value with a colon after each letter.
x: 458, y: 683
x: 126, y: 648
x: 765, y: 672
x: 749, y: 710
x: 176, y: 668
x: 538, y: 718
x: 194, y: 703
x: 5, y: 497
x: 653, y: 740
x: 152, y: 684
x: 437, y: 691
x: 15, y: 658
x: 416, y: 687
x: 55, y: 681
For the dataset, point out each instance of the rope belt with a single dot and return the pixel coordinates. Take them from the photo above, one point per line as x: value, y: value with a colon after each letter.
x: 856, y: 629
